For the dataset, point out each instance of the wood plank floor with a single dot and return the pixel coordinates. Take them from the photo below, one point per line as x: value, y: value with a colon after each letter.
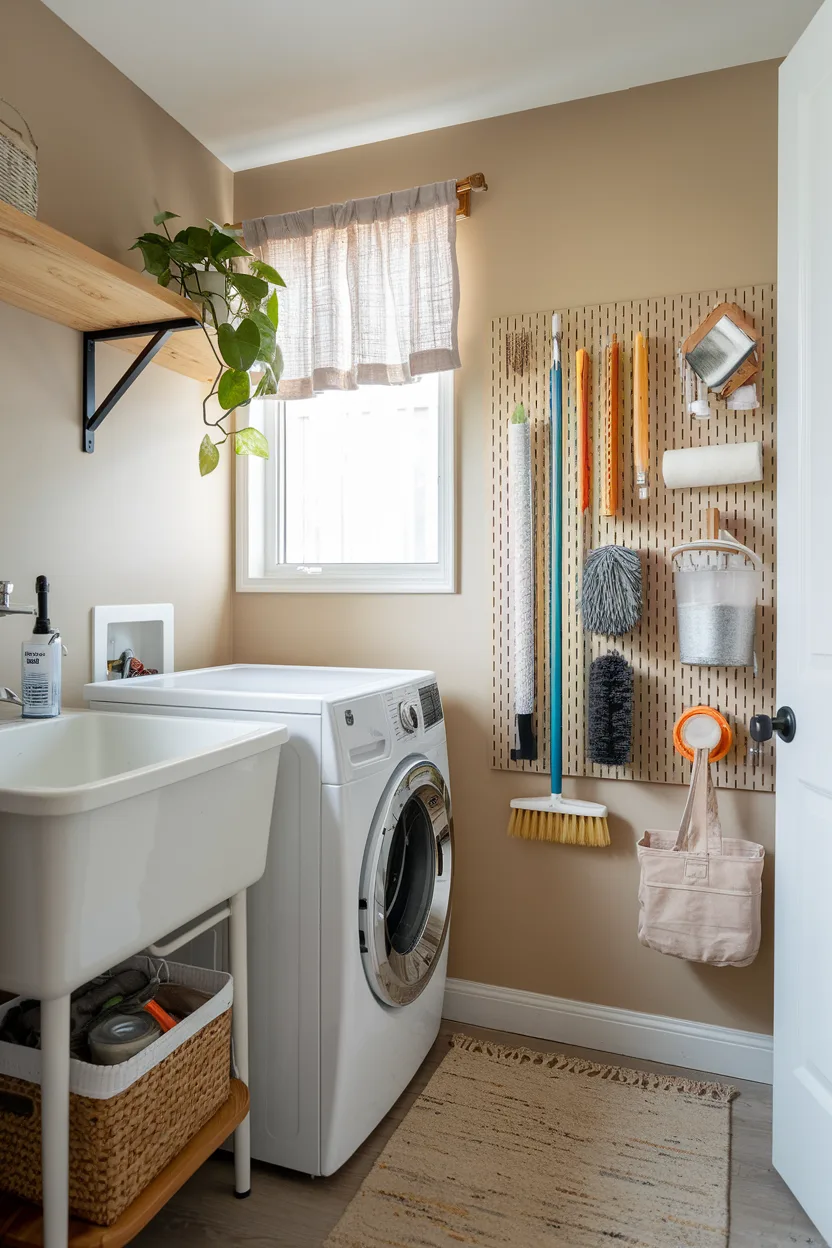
x: 288, y: 1210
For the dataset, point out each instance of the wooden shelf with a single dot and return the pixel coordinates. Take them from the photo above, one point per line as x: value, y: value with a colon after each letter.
x: 52, y: 275
x: 21, y: 1224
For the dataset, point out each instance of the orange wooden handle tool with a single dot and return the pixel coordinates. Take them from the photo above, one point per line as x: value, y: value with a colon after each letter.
x: 582, y: 405
x: 609, y: 502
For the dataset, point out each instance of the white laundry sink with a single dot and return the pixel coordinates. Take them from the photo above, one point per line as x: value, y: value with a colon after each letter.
x: 117, y: 829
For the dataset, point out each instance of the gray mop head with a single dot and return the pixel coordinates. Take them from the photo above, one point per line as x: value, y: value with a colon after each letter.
x: 611, y: 591
x: 610, y: 710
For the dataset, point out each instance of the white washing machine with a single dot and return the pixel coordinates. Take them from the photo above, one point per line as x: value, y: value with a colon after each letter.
x: 348, y: 929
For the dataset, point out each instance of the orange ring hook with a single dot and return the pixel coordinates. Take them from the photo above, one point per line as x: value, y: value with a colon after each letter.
x: 725, y: 742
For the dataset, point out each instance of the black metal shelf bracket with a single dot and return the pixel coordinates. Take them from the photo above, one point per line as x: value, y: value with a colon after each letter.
x: 93, y: 416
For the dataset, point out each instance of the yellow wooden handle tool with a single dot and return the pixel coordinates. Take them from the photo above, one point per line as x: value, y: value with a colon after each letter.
x: 641, y: 423
x: 582, y: 405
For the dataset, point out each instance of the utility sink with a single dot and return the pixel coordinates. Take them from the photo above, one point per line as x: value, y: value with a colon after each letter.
x: 117, y: 829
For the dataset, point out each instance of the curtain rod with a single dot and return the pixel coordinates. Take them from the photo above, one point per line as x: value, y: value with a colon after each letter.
x: 464, y: 187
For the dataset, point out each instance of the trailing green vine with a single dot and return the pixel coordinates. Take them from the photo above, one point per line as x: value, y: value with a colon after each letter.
x: 240, y: 317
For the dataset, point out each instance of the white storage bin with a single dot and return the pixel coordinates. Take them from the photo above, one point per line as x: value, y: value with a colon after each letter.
x: 717, y: 587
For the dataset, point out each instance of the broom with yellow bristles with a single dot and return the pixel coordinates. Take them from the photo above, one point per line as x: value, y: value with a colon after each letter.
x: 557, y: 818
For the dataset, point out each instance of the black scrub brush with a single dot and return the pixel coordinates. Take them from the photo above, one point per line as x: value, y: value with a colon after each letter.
x: 610, y: 710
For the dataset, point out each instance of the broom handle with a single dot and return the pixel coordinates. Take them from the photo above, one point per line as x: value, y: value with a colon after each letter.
x: 556, y: 556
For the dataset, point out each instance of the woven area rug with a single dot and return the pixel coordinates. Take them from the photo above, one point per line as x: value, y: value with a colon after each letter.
x: 506, y: 1146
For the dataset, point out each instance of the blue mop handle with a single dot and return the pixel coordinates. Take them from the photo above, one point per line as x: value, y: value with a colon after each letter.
x: 556, y: 570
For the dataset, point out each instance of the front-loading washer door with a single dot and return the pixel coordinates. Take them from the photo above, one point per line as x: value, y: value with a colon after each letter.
x: 405, y: 896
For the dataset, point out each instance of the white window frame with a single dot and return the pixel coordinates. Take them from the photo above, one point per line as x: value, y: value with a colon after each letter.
x: 255, y: 506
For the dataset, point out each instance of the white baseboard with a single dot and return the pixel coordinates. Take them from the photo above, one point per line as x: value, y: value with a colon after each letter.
x: 673, y: 1041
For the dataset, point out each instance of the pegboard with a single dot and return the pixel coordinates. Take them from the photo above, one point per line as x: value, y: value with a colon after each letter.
x: 663, y: 687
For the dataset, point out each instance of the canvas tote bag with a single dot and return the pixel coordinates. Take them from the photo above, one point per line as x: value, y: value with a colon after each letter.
x: 699, y: 895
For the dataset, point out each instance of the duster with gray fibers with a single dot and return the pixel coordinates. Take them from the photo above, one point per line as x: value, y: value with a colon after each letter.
x: 611, y: 592
x: 610, y: 710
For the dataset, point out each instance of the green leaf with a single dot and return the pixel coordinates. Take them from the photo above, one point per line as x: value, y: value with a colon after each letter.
x: 270, y: 380
x: 271, y: 376
x: 248, y: 338
x: 183, y: 254
x: 253, y: 288
x: 273, y: 309
x: 239, y: 347
x: 223, y: 247
x: 155, y: 258
x: 227, y: 343
x: 209, y: 456
x: 267, y: 339
x: 519, y: 415
x: 164, y: 278
x: 164, y: 216
x: 267, y: 272
x: 251, y: 441
x: 150, y: 237
x: 198, y: 239
x: 234, y: 389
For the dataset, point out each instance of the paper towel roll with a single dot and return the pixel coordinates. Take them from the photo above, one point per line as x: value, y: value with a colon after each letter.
x: 733, y: 464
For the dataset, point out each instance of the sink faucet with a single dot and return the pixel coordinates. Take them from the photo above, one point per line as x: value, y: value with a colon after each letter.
x: 6, y: 608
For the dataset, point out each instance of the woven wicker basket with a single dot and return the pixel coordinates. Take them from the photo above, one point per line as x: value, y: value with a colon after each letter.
x: 117, y: 1146
x: 18, y: 163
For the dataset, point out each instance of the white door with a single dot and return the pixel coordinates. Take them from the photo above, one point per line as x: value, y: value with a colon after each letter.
x: 803, y: 930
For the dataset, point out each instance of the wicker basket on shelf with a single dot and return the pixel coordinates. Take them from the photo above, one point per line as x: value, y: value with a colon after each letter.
x: 141, y: 1115
x: 18, y: 161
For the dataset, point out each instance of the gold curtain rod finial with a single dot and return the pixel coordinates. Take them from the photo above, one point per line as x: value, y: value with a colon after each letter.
x: 474, y: 182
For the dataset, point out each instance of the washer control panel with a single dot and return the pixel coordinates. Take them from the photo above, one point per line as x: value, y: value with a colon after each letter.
x: 413, y: 709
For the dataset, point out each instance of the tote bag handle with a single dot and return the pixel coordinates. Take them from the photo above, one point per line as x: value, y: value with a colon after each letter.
x: 700, y: 831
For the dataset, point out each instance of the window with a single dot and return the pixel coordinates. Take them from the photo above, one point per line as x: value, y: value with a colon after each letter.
x: 357, y: 495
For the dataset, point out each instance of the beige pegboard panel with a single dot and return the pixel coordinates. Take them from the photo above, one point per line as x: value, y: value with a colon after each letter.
x: 663, y: 686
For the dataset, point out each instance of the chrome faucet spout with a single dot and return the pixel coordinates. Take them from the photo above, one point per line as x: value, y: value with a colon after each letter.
x: 6, y: 607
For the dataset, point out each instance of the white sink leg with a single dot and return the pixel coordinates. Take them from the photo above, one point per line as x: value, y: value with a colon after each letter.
x: 54, y: 1043
x: 238, y: 956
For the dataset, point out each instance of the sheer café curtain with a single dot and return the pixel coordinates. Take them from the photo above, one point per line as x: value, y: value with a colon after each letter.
x: 372, y: 289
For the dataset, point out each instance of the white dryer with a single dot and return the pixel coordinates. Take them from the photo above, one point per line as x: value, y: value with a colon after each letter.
x: 348, y: 928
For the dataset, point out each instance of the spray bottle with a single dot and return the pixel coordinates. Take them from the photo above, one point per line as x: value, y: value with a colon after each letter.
x: 41, y: 690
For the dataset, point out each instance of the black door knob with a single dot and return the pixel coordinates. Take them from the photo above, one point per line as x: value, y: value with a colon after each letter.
x: 783, y: 723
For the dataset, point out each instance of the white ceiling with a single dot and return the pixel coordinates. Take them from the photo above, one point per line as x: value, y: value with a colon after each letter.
x: 259, y: 81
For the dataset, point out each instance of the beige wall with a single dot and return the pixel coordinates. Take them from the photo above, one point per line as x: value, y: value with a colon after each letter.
x: 608, y: 198
x: 133, y: 522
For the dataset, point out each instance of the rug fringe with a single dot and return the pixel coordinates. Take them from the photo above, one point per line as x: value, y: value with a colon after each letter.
x: 721, y: 1093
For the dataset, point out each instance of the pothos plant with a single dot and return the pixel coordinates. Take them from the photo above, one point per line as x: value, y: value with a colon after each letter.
x: 240, y: 316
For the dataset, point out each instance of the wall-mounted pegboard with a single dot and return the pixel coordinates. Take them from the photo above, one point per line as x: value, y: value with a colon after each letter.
x: 520, y: 357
